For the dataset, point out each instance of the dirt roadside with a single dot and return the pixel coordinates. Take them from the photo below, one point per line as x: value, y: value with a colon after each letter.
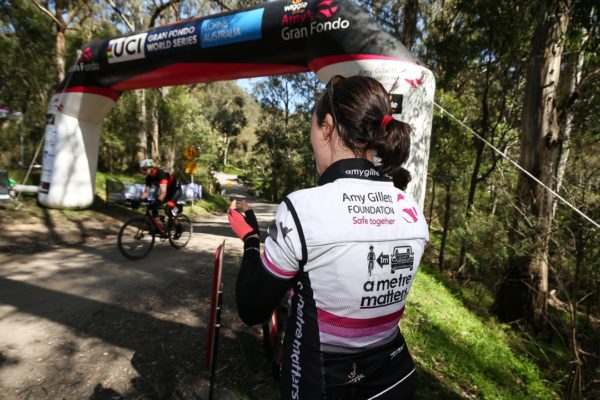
x: 79, y: 321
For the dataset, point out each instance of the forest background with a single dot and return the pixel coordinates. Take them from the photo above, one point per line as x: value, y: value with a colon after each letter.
x: 521, y: 75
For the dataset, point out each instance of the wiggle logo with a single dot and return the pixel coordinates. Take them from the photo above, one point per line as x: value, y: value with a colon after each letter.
x: 326, y: 9
x: 296, y: 6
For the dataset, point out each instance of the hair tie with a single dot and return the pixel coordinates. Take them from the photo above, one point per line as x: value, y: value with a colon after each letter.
x: 386, y: 120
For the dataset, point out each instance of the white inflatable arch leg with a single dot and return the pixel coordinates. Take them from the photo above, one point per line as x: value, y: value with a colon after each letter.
x: 71, y: 144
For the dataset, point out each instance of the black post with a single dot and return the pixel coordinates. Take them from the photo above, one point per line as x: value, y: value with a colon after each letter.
x: 213, y: 365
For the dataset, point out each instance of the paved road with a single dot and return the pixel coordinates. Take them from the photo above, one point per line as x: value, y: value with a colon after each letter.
x: 231, y: 185
x: 78, y: 321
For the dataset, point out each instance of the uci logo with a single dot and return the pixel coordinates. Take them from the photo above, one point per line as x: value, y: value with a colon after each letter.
x: 127, y: 48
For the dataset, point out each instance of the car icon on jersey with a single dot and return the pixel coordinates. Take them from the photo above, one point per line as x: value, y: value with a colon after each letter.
x: 402, y: 257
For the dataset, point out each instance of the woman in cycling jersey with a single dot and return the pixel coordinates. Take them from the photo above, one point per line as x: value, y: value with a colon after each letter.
x: 348, y: 249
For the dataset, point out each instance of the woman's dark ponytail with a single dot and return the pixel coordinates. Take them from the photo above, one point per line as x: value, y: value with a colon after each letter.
x: 362, y: 110
x: 392, y: 144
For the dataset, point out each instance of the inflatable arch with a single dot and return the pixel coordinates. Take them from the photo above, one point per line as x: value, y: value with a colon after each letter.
x: 326, y: 36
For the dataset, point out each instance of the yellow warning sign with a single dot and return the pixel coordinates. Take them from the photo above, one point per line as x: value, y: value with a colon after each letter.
x: 190, y: 167
x: 190, y: 152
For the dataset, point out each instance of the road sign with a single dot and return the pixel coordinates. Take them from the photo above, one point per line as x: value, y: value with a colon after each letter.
x: 190, y: 152
x: 190, y: 167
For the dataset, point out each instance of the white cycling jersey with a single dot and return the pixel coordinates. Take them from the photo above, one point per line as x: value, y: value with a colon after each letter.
x: 353, y: 245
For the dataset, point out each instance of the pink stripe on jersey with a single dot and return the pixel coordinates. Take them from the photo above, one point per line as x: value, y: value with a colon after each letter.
x: 357, y: 323
x: 274, y: 269
x: 347, y: 332
x: 364, y: 342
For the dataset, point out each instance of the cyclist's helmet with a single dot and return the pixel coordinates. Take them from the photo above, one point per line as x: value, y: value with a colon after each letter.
x: 147, y: 163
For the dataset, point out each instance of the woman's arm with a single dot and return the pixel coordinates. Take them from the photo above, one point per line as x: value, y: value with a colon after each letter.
x: 257, y: 291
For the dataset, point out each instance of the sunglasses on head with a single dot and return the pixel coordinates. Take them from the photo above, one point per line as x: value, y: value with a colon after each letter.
x: 333, y: 82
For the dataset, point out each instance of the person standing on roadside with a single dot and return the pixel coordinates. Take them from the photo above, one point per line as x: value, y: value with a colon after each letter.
x: 343, y: 339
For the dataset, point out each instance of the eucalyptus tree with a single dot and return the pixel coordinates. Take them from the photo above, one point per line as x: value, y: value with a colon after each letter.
x: 524, y: 291
x: 283, y: 134
x: 492, y: 72
x: 135, y: 16
x: 573, y: 248
x: 400, y: 18
x: 446, y: 169
x: 229, y: 120
x: 63, y: 15
x: 27, y: 74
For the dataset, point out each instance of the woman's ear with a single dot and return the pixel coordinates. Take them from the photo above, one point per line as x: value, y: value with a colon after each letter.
x: 328, y: 126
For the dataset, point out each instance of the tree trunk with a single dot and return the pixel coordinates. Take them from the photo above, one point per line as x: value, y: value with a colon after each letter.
x: 60, y: 52
x: 169, y: 156
x: 432, y: 202
x: 573, y: 73
x: 575, y: 382
x: 524, y: 291
x: 154, y: 130
x: 446, y: 226
x: 494, y: 200
x: 225, y: 148
x: 142, y: 142
x: 141, y: 148
x: 409, y: 23
x: 479, y: 147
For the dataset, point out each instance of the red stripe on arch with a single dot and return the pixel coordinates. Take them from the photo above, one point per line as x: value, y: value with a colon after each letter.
x: 101, y: 91
x: 188, y: 73
x: 357, y: 323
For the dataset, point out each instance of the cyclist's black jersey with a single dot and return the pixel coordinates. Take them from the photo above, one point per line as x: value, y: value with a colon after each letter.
x: 163, y: 177
x: 349, y: 249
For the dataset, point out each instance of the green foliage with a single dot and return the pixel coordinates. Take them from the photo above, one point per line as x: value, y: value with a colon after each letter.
x: 238, y: 111
x: 229, y: 119
x: 469, y: 357
x: 117, y: 137
x: 27, y: 76
x: 448, y: 144
x: 283, y: 159
x: 487, y: 240
x: 183, y: 121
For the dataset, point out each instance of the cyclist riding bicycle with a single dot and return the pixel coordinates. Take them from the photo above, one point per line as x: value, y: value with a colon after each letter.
x: 168, y: 193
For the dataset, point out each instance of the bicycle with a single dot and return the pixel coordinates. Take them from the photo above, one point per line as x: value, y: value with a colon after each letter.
x: 273, y: 332
x: 137, y: 235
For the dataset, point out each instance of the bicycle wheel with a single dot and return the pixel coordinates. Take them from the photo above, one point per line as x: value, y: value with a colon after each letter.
x: 180, y: 236
x: 136, y: 238
x: 273, y: 335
